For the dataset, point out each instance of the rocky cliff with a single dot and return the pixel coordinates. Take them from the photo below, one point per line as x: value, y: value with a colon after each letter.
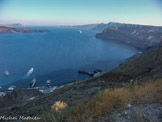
x: 139, y: 36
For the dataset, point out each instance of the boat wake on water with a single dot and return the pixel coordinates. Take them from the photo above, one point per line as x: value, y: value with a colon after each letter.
x: 29, y: 72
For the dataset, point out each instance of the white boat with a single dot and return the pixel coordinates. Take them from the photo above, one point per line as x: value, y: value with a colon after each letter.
x: 2, y: 94
x: 48, y: 83
x: 6, y: 73
x: 11, y: 88
x: 80, y: 31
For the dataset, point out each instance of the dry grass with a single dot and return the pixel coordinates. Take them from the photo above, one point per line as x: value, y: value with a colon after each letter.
x: 107, y: 101
x: 148, y: 92
x: 58, y: 105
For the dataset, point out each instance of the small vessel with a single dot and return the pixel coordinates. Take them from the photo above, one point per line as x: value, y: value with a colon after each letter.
x: 80, y: 31
x: 85, y: 72
x: 10, y: 89
x: 32, y: 84
x: 95, y: 72
x: 6, y: 73
x: 48, y: 83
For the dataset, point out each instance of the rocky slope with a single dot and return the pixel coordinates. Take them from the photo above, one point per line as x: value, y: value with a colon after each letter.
x: 4, y: 29
x: 138, y: 113
x: 19, y: 97
x: 139, y: 36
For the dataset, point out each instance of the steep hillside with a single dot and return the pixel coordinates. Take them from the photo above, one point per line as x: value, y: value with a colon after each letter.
x: 125, y: 104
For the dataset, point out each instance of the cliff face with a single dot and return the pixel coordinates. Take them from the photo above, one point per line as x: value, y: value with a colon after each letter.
x: 139, y: 36
x: 4, y: 29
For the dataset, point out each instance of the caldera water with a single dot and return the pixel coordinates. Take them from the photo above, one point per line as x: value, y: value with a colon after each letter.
x: 57, y: 55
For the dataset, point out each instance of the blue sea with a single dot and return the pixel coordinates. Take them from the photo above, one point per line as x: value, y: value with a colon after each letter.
x: 57, y: 55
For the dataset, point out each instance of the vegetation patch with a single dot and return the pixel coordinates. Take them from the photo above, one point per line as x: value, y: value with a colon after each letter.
x: 107, y: 101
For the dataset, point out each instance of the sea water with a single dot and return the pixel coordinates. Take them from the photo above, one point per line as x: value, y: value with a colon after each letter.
x: 57, y: 55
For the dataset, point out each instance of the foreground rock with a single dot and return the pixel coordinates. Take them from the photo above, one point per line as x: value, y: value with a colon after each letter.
x: 4, y: 29
x: 138, y: 113
x: 19, y: 97
x: 139, y: 36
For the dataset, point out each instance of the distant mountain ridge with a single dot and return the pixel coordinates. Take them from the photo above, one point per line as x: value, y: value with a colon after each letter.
x: 14, y: 25
x: 87, y: 26
x: 140, y: 36
x: 96, y: 27
x: 102, y: 26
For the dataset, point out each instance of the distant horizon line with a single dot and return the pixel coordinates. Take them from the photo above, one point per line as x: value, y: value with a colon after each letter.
x: 58, y: 25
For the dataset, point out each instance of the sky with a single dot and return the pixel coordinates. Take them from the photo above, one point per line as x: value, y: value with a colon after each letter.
x: 79, y: 12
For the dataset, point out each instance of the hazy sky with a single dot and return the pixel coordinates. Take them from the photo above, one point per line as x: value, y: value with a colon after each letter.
x: 72, y: 12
